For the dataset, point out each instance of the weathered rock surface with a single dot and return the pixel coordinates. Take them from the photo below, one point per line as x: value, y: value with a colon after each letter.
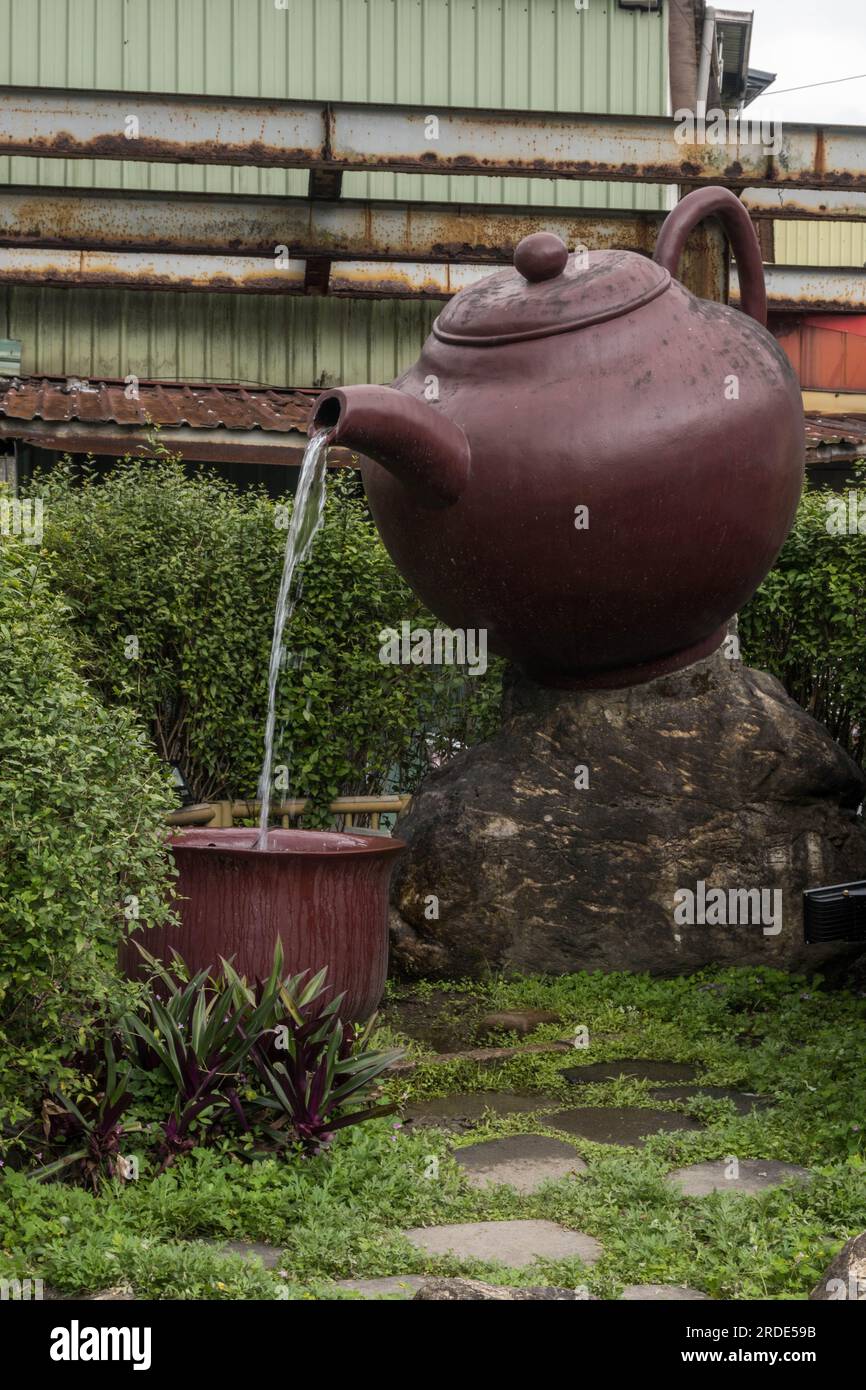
x: 465, y: 1111
x: 750, y: 1176
x: 522, y: 1161
x: 514, y: 1243
x: 631, y: 1068
x: 463, y: 1290
x: 712, y: 775
x: 845, y: 1277
x: 626, y: 1125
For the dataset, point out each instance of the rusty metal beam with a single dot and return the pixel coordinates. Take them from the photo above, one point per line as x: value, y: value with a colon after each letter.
x: 70, y: 124
x: 804, y: 204
x: 119, y: 220
x: 209, y: 223
x: 789, y: 288
x: 806, y: 289
x: 161, y: 240
x: 252, y: 274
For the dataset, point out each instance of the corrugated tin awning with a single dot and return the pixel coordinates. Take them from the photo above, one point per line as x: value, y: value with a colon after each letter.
x: 206, y: 423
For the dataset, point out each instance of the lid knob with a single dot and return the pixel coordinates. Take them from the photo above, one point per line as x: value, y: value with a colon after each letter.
x: 540, y: 256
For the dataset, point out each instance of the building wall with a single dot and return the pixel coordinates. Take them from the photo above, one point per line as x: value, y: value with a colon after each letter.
x: 534, y: 54
x: 820, y: 243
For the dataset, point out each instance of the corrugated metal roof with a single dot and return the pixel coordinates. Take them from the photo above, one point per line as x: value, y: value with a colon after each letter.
x: 204, y: 424
x: 835, y: 437
x: 156, y: 403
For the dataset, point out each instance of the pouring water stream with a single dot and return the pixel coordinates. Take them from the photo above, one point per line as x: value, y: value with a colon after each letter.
x: 306, y: 519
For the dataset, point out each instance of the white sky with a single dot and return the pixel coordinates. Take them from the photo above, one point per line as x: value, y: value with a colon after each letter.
x: 809, y: 41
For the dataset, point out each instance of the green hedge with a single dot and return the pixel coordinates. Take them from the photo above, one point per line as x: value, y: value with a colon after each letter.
x: 81, y: 838
x: 172, y: 577
x: 807, y: 622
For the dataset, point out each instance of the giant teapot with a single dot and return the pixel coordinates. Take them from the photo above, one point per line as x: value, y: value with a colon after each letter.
x: 588, y: 461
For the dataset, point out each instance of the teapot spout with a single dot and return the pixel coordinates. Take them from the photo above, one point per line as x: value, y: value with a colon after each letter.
x: 420, y: 446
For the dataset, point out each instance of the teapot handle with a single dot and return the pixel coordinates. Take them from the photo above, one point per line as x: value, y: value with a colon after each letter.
x: 721, y: 203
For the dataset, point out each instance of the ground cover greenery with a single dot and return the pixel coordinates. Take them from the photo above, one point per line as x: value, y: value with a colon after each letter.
x: 340, y: 1214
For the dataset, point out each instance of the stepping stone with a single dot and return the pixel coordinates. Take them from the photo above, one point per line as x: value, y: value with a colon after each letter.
x: 269, y: 1255
x: 401, y: 1285
x: 521, y: 1021
x: 515, y: 1243
x: 463, y: 1290
x: 463, y: 1112
x: 522, y: 1161
x: 651, y: 1293
x: 626, y: 1125
x: 755, y: 1175
x: 636, y: 1069
x: 742, y: 1100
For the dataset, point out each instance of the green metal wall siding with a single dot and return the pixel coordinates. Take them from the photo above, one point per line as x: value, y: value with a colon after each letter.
x: 536, y: 54
x: 820, y: 243
x: 256, y: 339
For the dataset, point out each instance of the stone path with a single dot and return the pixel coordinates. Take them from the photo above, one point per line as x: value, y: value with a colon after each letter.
x: 753, y: 1175
x: 632, y: 1068
x: 523, y: 1161
x: 462, y: 1112
x: 626, y: 1125
x: 743, y: 1102
x: 515, y: 1243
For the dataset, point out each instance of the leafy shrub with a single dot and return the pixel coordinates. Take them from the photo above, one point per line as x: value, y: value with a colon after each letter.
x: 215, y: 1037
x: 173, y: 579
x: 81, y: 838
x: 806, y: 622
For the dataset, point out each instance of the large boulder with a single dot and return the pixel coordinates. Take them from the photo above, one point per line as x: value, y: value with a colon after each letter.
x: 573, y: 839
x: 845, y: 1277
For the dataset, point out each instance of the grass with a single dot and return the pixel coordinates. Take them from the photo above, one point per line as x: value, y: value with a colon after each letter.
x: 341, y: 1214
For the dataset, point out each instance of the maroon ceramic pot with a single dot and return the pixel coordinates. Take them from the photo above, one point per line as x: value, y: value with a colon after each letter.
x: 323, y: 893
x: 588, y: 382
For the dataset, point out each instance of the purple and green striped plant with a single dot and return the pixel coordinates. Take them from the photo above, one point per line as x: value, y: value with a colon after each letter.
x: 325, y: 1067
x: 201, y: 1030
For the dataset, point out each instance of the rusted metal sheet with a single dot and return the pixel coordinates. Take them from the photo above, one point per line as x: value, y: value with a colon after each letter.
x: 64, y: 123
x: 804, y: 204
x: 812, y: 289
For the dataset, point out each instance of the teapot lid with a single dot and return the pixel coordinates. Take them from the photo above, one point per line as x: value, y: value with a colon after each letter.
x: 549, y: 291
